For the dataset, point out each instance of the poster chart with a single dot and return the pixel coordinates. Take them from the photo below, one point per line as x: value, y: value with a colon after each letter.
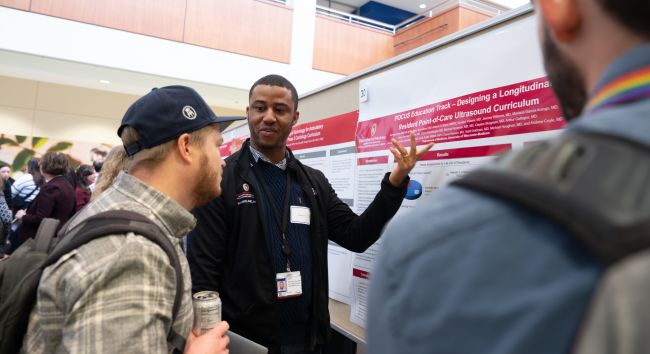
x: 470, y: 100
x: 328, y: 145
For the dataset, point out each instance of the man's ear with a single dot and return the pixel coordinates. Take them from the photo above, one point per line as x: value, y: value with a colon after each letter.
x: 563, y: 18
x: 183, y: 147
x: 295, y: 118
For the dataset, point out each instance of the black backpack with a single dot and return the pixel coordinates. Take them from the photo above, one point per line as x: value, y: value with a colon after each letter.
x: 21, y: 272
x: 597, y: 186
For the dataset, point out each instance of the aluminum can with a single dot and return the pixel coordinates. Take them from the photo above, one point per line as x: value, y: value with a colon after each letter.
x: 207, y: 311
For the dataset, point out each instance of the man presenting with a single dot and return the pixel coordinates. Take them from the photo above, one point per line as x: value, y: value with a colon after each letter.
x: 263, y: 244
x: 485, y: 275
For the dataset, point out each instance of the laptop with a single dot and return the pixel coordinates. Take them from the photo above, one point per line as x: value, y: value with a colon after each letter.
x: 241, y: 345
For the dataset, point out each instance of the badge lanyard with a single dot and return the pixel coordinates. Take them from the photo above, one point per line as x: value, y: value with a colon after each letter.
x: 282, y: 223
x: 627, y: 88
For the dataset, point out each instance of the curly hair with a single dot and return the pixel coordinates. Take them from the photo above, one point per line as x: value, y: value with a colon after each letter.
x: 55, y: 163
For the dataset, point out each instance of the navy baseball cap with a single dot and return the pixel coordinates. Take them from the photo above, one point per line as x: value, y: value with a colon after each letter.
x: 165, y: 113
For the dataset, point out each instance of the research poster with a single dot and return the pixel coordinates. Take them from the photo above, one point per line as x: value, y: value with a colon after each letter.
x: 474, y: 99
x: 328, y: 145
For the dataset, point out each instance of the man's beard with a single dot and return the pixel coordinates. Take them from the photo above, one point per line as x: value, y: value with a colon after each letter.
x: 568, y: 84
x: 207, y: 184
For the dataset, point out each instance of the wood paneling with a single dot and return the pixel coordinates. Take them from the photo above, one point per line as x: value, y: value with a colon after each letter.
x: 345, y: 48
x: 469, y: 17
x: 427, y: 31
x: 248, y: 27
x: 157, y: 18
x: 16, y: 4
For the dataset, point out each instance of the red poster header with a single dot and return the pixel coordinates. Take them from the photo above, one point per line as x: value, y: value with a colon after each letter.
x: 373, y: 160
x: 231, y: 147
x: 360, y: 273
x: 474, y: 151
x: 525, y: 107
x: 329, y: 131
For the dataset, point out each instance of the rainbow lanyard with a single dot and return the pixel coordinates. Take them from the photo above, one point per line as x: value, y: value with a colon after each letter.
x: 631, y: 87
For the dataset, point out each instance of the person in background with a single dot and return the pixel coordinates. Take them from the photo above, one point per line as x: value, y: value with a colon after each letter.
x: 97, y: 158
x: 468, y: 272
x: 97, y: 155
x: 70, y: 175
x: 85, y: 177
x: 56, y: 199
x: 113, y: 165
x: 7, y: 182
x: 26, y: 187
x: 115, y: 294
x: 273, y: 223
x: 5, y: 226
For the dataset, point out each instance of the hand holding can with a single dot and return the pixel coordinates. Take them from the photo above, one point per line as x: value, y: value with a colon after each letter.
x: 207, y: 311
x: 215, y: 341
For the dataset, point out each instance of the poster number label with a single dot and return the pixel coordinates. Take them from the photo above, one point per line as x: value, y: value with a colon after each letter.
x: 363, y: 94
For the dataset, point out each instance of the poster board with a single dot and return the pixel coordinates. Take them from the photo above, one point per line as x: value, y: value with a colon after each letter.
x: 474, y: 99
x: 328, y: 145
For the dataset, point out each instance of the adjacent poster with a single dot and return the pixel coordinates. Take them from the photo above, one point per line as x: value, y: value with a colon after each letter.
x: 470, y: 100
x: 233, y: 139
x: 328, y: 145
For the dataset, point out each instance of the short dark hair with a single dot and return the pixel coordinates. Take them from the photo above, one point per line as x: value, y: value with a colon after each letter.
x: 633, y: 14
x: 98, y: 166
x: 55, y: 163
x: 277, y: 80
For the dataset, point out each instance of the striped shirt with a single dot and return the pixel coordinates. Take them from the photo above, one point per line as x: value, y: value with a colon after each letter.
x: 24, y: 186
x: 115, y: 294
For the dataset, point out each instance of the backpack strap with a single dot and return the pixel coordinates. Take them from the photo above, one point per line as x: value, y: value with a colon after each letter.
x: 45, y: 234
x: 122, y: 222
x: 594, y: 185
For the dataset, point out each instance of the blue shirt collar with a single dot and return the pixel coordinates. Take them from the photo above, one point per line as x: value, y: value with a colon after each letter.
x: 258, y: 155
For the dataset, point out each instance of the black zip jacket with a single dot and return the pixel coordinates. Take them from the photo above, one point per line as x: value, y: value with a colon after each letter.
x: 228, y: 250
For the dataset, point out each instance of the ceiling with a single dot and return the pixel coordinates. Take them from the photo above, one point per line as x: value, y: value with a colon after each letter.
x: 414, y: 5
x: 39, y: 68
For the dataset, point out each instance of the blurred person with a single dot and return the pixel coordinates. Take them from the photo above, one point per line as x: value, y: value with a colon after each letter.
x: 245, y: 250
x: 112, y: 166
x: 5, y: 225
x: 115, y: 294
x: 70, y: 175
x: 85, y: 176
x: 97, y: 155
x: 27, y: 186
x: 97, y: 158
x: 56, y: 199
x: 7, y: 182
x: 479, y: 274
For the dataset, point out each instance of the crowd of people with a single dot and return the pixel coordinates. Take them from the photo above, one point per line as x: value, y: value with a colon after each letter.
x: 49, y: 187
x: 510, y: 281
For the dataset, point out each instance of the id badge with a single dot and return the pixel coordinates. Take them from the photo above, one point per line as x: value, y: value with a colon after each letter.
x: 289, y: 285
x: 300, y: 215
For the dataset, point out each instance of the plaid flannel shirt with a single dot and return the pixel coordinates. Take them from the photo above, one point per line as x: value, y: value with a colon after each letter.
x: 115, y: 294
